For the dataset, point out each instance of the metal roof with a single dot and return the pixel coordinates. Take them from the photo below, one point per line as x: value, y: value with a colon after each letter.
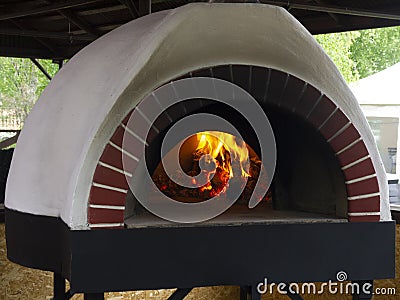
x: 57, y: 29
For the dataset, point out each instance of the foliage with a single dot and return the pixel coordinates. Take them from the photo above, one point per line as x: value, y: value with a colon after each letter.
x: 337, y: 46
x: 358, y: 54
x: 21, y: 83
x: 375, y: 50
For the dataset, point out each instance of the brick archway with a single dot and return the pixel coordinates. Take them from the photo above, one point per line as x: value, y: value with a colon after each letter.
x: 109, y: 185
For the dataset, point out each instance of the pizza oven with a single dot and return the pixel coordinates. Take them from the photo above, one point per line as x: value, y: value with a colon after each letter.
x: 215, y: 136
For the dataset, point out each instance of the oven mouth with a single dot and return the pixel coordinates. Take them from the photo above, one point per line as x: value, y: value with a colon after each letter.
x: 307, y: 187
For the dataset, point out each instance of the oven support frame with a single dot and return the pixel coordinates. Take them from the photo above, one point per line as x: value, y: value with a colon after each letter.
x: 98, y: 261
x: 246, y: 292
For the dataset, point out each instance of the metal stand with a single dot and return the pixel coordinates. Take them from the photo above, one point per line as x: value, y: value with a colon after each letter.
x: 59, y: 292
x: 248, y: 292
x: 180, y: 294
x: 295, y: 296
x: 58, y: 287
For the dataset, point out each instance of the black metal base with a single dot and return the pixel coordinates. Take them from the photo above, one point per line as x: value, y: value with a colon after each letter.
x: 249, y: 293
x: 98, y: 261
x: 396, y: 216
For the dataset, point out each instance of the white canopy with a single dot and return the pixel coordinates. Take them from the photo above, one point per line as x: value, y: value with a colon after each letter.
x: 380, y: 88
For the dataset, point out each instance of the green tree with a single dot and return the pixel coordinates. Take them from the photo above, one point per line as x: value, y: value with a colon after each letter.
x: 358, y: 54
x: 337, y: 46
x: 21, y: 83
x: 375, y: 50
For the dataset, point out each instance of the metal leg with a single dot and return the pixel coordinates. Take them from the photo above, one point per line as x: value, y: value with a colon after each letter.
x: 244, y: 292
x: 58, y: 287
x: 366, y: 289
x: 94, y: 296
x: 291, y: 295
x: 295, y: 296
x: 255, y: 295
x: 180, y: 294
x: 249, y: 293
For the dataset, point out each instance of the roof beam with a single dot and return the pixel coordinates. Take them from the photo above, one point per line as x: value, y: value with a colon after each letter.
x: 45, y: 34
x: 335, y: 10
x: 335, y: 17
x: 132, y: 8
x: 44, y: 9
x: 81, y: 23
x: 144, y: 7
x: 41, y: 68
x: 45, y: 44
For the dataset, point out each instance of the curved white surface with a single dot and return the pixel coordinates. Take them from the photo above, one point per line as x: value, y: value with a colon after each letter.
x: 72, y: 121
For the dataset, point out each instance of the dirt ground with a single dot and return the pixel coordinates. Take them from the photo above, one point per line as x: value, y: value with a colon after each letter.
x: 20, y: 283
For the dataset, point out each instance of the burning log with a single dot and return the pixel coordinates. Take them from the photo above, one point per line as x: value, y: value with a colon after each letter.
x: 215, y: 164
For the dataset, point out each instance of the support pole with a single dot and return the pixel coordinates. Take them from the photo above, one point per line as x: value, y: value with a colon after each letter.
x: 249, y: 293
x: 144, y: 7
x: 180, y: 294
x: 41, y: 68
x: 58, y: 287
x: 94, y: 296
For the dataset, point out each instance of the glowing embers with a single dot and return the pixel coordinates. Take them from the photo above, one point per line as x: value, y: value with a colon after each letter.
x: 214, y: 161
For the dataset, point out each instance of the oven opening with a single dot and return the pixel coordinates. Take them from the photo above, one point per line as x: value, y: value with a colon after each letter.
x: 308, y: 184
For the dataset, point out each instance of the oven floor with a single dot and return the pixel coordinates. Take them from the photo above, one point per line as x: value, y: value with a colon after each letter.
x: 238, y: 215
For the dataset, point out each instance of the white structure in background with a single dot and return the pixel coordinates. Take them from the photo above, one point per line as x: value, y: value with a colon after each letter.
x: 379, y: 98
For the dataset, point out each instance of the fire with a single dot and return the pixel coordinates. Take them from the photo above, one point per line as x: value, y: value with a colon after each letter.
x: 220, y: 159
x: 224, y: 148
x: 216, y: 153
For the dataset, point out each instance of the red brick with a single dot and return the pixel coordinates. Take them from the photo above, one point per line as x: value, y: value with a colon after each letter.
x: 151, y: 109
x: 110, y: 177
x: 192, y: 105
x: 321, y: 112
x: 364, y: 205
x: 103, y: 228
x: 361, y: 169
x: 334, y: 124
x: 241, y: 76
x: 276, y: 86
x: 349, y: 135
x: 307, y: 102
x: 133, y: 145
x: 118, y: 136
x: 205, y: 72
x: 102, y: 196
x: 138, y: 124
x: 113, y: 157
x: 292, y: 93
x: 223, y: 72
x: 364, y: 218
x: 176, y: 111
x: 364, y: 187
x: 127, y: 117
x: 101, y: 215
x: 352, y: 154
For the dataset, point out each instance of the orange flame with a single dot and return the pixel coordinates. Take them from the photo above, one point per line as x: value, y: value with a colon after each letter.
x: 225, y: 148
